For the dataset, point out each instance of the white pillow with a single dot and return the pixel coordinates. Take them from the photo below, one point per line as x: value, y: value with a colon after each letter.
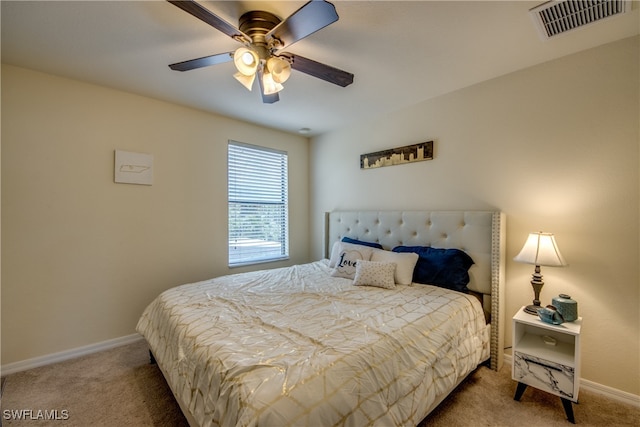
x: 371, y: 273
x: 347, y: 257
x: 333, y: 257
x: 339, y: 246
x: 405, y: 263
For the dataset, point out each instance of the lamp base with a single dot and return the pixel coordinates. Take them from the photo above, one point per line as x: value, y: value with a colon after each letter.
x: 532, y: 309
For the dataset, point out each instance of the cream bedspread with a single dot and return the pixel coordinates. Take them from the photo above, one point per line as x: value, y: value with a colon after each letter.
x: 295, y: 346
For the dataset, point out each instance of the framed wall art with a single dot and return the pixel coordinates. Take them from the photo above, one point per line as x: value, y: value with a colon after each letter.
x: 133, y: 168
x: 397, y: 156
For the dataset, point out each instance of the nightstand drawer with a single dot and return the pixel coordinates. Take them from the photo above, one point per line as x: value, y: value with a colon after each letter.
x: 545, y: 375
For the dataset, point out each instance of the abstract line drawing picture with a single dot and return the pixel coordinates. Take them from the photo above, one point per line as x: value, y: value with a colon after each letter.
x: 397, y: 156
x: 133, y: 168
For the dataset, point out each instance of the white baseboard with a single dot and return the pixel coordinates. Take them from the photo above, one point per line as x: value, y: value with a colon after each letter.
x: 611, y: 393
x: 23, y: 365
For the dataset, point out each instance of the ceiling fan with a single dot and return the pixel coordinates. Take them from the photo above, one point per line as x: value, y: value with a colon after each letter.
x: 263, y: 36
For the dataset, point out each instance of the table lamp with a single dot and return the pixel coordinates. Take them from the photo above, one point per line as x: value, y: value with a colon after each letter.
x: 539, y: 249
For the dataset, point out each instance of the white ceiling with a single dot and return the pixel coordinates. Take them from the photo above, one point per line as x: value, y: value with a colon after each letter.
x: 400, y: 52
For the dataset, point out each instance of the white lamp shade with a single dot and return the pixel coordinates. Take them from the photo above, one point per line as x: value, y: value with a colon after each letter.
x: 279, y: 68
x: 247, y: 81
x: 541, y: 249
x: 269, y: 86
x: 246, y: 61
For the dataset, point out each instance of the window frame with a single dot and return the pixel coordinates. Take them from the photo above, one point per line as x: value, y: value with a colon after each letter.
x: 257, y: 205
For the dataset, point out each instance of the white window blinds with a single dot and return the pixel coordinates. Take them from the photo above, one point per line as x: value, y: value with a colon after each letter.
x: 258, y: 208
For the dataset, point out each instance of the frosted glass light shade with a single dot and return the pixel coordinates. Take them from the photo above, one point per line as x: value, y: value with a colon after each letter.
x: 247, y: 81
x: 279, y: 68
x: 246, y: 61
x: 541, y: 249
x: 269, y: 85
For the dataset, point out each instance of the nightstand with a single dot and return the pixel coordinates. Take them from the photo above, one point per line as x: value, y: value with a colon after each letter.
x: 547, y: 357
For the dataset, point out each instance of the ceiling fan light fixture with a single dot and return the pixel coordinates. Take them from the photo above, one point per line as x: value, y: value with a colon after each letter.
x: 269, y: 85
x: 279, y: 68
x: 263, y: 35
x: 247, y: 81
x: 246, y: 61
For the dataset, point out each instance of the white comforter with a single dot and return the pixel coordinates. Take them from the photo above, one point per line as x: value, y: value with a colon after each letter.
x: 295, y: 346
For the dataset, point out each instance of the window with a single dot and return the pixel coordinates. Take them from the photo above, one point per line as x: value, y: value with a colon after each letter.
x: 258, y: 208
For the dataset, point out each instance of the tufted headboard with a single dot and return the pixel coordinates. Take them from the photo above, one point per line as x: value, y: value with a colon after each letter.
x: 479, y: 233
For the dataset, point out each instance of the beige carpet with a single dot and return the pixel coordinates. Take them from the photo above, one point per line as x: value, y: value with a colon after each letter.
x: 120, y: 388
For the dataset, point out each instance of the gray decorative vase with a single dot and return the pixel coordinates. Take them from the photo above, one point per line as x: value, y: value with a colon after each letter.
x: 567, y: 307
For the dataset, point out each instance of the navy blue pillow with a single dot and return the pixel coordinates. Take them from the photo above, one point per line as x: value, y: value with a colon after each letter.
x: 447, y: 268
x: 363, y: 243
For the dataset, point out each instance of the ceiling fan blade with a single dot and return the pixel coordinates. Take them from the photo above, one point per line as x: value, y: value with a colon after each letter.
x: 210, y: 18
x: 266, y: 99
x: 205, y: 61
x: 310, y: 18
x: 319, y: 70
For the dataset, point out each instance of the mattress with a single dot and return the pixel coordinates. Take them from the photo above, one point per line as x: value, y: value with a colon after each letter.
x: 296, y: 346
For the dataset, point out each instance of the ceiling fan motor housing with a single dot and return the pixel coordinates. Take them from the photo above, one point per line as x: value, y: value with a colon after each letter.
x: 256, y: 24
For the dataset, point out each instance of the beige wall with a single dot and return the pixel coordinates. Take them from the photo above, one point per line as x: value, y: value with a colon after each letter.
x: 556, y: 147
x: 81, y: 255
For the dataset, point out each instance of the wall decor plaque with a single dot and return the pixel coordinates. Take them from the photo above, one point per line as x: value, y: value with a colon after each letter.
x: 397, y: 156
x: 133, y: 168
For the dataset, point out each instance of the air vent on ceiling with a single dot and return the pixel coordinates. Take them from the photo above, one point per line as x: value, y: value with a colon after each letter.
x: 557, y: 17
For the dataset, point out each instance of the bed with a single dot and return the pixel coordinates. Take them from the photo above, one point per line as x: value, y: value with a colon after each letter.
x: 307, y: 345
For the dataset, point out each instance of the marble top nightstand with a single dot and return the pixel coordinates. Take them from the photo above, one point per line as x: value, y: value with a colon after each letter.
x: 547, y: 357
